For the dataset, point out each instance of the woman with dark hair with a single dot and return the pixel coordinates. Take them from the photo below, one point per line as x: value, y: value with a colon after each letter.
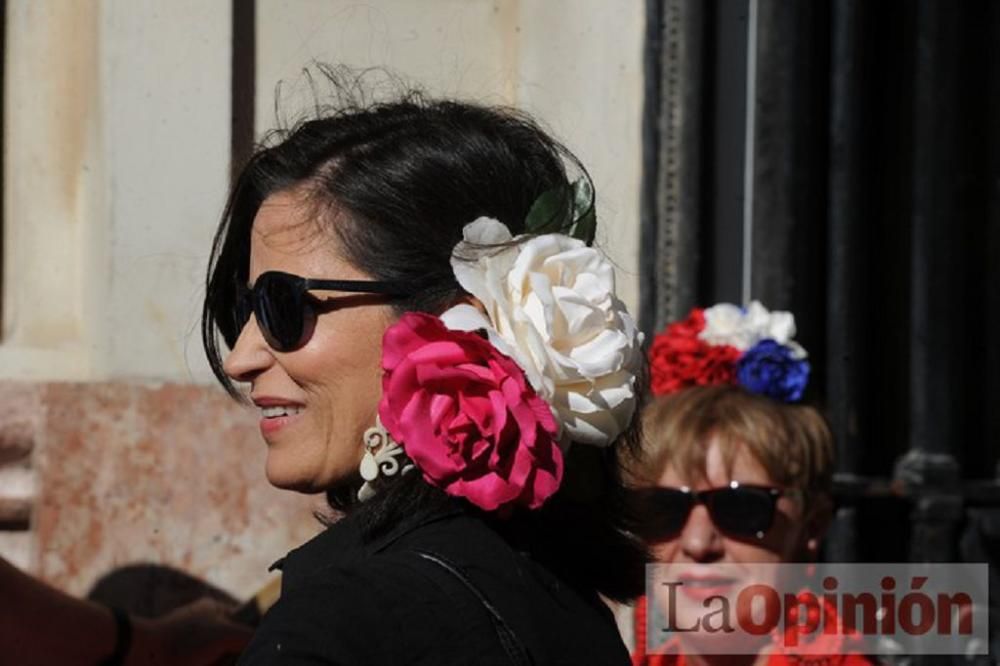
x: 408, y: 290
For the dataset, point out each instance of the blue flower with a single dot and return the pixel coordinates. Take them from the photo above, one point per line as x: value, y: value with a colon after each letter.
x: 771, y: 369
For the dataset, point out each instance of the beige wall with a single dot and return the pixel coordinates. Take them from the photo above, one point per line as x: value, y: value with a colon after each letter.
x: 116, y: 152
x: 117, y: 139
x: 575, y: 64
x: 580, y: 70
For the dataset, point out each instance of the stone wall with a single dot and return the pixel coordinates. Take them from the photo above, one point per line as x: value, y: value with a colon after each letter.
x: 99, y: 477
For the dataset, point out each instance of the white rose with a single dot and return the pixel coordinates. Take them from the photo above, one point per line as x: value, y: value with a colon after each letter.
x: 778, y: 325
x: 727, y: 324
x: 550, y: 304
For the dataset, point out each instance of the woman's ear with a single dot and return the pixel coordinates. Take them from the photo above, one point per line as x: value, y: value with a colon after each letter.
x: 817, y: 522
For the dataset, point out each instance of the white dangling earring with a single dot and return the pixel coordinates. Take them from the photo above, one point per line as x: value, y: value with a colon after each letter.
x: 380, y: 459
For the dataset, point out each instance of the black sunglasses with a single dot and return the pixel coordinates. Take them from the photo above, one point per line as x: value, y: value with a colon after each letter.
x: 286, y: 311
x: 738, y: 509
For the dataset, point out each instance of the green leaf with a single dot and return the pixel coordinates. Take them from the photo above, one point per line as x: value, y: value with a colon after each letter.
x: 546, y: 210
x: 584, y: 214
x: 549, y: 212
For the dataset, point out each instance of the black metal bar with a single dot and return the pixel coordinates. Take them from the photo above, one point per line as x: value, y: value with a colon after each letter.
x: 243, y: 83
x: 649, y: 289
x: 3, y: 87
x: 845, y: 256
x: 671, y: 187
x: 846, y: 235
x: 934, y: 264
x: 728, y: 149
x: 684, y: 159
x: 990, y: 388
x: 790, y: 184
x: 852, y: 488
x: 931, y: 465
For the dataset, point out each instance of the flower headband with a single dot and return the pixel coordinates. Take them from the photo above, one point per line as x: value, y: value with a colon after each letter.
x: 485, y: 401
x: 727, y: 344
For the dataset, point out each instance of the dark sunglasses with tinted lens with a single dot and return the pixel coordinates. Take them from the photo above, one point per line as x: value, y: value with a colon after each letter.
x: 286, y: 311
x: 740, y: 510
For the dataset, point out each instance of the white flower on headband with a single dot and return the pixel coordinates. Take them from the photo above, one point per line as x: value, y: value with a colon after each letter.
x: 550, y: 305
x: 727, y: 324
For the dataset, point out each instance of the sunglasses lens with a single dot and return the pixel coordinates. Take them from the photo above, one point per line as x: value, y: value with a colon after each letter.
x: 281, y: 311
x: 231, y: 324
x: 742, y: 511
x: 661, y: 512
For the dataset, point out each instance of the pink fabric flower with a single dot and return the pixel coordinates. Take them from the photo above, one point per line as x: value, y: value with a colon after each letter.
x: 466, y: 415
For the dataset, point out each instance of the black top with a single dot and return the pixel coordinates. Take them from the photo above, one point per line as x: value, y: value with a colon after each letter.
x: 347, y: 602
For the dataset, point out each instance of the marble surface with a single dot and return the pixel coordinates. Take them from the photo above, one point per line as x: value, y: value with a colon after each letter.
x: 119, y: 476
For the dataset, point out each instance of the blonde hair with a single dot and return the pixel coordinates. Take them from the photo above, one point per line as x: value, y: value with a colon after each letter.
x: 791, y: 442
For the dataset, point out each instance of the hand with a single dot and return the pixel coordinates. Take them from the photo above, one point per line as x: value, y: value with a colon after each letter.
x: 200, y: 634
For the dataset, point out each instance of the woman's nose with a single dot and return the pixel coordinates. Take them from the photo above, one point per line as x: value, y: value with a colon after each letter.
x: 700, y: 540
x: 250, y: 356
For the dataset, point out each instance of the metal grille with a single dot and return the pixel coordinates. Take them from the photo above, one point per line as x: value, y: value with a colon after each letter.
x: 876, y: 221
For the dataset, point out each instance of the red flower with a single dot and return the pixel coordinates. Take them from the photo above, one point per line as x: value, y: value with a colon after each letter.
x: 687, y: 328
x: 466, y: 415
x: 678, y: 358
